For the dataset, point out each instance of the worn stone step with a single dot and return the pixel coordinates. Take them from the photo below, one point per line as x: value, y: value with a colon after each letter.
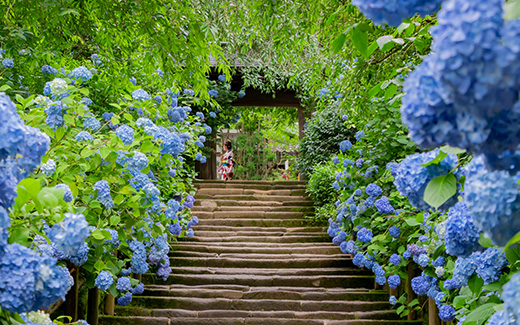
x: 260, y: 263
x: 204, y: 233
x: 246, y: 292
x: 239, y: 191
x: 264, y: 271
x: 284, y: 314
x: 257, y: 304
x: 250, y: 215
x: 238, y: 222
x: 178, y: 253
x: 220, y: 248
x: 210, y: 206
x: 262, y: 239
x: 251, y: 203
x: 247, y: 182
x: 262, y: 229
x: 140, y: 320
x: 254, y: 197
x: 326, y: 281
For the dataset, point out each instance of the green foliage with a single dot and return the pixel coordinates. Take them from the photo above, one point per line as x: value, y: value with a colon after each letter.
x: 322, y: 137
x: 319, y: 185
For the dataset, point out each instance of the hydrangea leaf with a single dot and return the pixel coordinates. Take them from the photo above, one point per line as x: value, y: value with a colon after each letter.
x: 453, y: 150
x: 437, y: 160
x: 482, y: 313
x: 476, y: 283
x: 440, y: 189
x: 337, y: 44
x: 513, y: 254
x: 360, y: 41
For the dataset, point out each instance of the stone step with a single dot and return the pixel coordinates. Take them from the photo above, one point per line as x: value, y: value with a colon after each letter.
x: 212, y: 234
x: 200, y: 304
x: 253, y: 197
x: 238, y: 222
x: 271, y: 272
x: 251, y: 203
x: 272, y: 262
x: 326, y: 281
x: 220, y: 248
x: 140, y: 320
x: 246, y: 292
x: 178, y: 253
x: 262, y: 239
x: 209, y: 207
x: 283, y: 314
x: 262, y: 229
x: 250, y: 215
x: 239, y: 191
x: 247, y: 182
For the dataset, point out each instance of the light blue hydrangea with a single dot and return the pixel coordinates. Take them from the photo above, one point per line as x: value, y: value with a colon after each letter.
x: 69, y: 235
x: 81, y: 73
x: 8, y: 63
x: 126, y: 134
x: 364, y: 235
x: 500, y: 318
x: 383, y: 206
x: 395, y: 231
x: 241, y: 94
x: 125, y: 300
x: 104, y: 280
x: 490, y: 264
x: 511, y: 296
x: 461, y: 234
x: 420, y: 285
x: 91, y: 123
x: 103, y: 191
x: 345, y: 145
x: 446, y: 313
x: 138, y: 261
x: 123, y: 284
x: 394, y: 281
x: 394, y: 11
x: 373, y: 190
x: 84, y: 136
x: 47, y: 69
x: 140, y: 95
x: 395, y: 259
x: 392, y: 300
x: 48, y: 168
x: 213, y: 93
x: 58, y: 87
x: 360, y: 135
x: 54, y: 113
x: 139, y: 289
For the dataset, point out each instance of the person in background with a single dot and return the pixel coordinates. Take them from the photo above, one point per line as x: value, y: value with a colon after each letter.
x: 226, y: 170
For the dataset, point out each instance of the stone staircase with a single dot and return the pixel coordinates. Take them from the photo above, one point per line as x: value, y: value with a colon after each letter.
x: 256, y: 259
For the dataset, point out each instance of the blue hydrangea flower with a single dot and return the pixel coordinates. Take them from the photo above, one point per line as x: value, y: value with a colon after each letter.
x: 364, y: 235
x: 139, y: 289
x: 446, y: 313
x: 420, y: 285
x: 54, y: 113
x: 490, y: 264
x: 360, y: 135
x: 28, y: 281
x: 81, y: 73
x: 511, y: 296
x: 8, y: 63
x: 451, y: 284
x: 125, y: 272
x: 47, y: 69
x: 69, y: 235
x: 383, y: 206
x: 158, y: 99
x: 67, y: 194
x: 241, y: 94
x: 493, y: 201
x: 461, y: 234
x: 213, y: 93
x: 96, y: 60
x: 48, y: 168
x: 140, y: 95
x: 123, y: 284
x: 345, y: 145
x: 500, y: 318
x: 423, y: 260
x: 464, y: 269
x: 395, y: 231
x: 222, y: 78
x: 171, y: 143
x: 358, y: 260
x: 138, y: 261
x: 373, y: 190
x: 395, y: 259
x: 84, y: 136
x: 439, y: 261
x: 107, y: 116
x: 133, y: 80
x: 125, y: 300
x: 411, y: 179
x: 393, y: 12
x: 126, y: 134
x: 359, y: 163
x: 392, y: 300
x: 103, y: 190
x: 104, y: 280
x: 335, y: 185
x: 394, y: 281
x: 91, y: 123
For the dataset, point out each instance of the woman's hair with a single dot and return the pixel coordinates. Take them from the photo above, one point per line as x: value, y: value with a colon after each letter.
x: 228, y: 144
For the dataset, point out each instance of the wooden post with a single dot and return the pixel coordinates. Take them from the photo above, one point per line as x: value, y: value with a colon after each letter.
x: 409, y: 291
x: 92, y: 306
x: 433, y: 313
x: 71, y: 299
x: 110, y: 302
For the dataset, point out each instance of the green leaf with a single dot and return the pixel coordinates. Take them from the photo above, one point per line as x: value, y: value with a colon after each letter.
x: 5, y: 87
x: 19, y: 235
x: 402, y: 27
x: 459, y: 302
x: 475, y: 283
x: 100, y: 265
x: 453, y: 150
x: 50, y: 197
x: 147, y: 146
x: 400, y: 309
x: 338, y: 43
x: 360, y: 41
x: 514, y: 240
x: 437, y: 160
x: 32, y: 186
x: 512, y: 9
x: 383, y: 40
x: 98, y: 234
x: 104, y: 151
x: 411, y: 222
x: 482, y: 313
x: 485, y: 241
x: 440, y: 189
x: 114, y: 220
x: 513, y: 254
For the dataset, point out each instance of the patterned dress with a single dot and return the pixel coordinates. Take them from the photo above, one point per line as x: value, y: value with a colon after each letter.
x: 226, y: 171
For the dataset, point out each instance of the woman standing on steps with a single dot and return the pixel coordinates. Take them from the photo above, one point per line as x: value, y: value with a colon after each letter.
x: 226, y: 170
